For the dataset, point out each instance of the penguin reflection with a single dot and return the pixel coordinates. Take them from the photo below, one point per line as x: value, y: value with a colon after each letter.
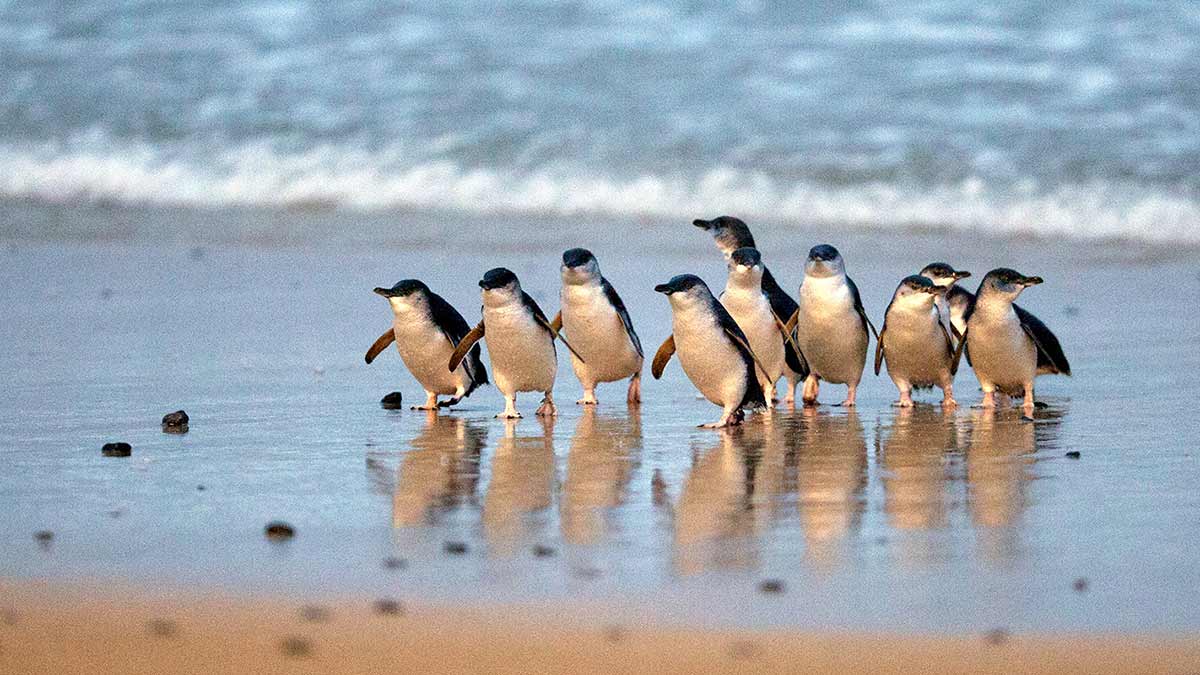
x: 831, y: 476
x: 916, y: 455
x: 521, y: 487
x: 605, y: 451
x: 714, y: 516
x: 440, y: 470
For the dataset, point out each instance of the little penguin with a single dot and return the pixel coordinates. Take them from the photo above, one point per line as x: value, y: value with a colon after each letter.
x: 595, y: 319
x: 830, y: 325
x: 714, y: 352
x: 746, y: 302
x: 953, y: 305
x: 915, y: 342
x: 730, y: 234
x: 1006, y: 345
x: 520, y: 341
x: 426, y: 330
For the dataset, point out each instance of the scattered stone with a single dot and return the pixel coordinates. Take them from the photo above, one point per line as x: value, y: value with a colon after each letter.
x: 455, y: 547
x: 315, y: 614
x: 175, y: 423
x: 279, y: 531
x: 295, y: 647
x: 543, y: 551
x: 393, y: 401
x: 613, y: 633
x: 394, y: 563
x: 1073, y: 454
x: 771, y: 586
x: 116, y: 450
x: 996, y: 636
x: 1040, y: 405
x: 744, y: 649
x: 1080, y: 585
x: 116, y: 513
x: 388, y: 607
x: 1071, y: 310
x: 162, y: 628
x: 44, y: 538
x: 106, y: 293
x: 200, y: 488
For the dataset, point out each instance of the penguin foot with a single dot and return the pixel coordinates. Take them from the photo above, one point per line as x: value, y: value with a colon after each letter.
x: 635, y: 390
x: 949, y: 403
x: 425, y: 407
x: 587, y: 400
x: 547, y: 408
x: 850, y: 404
x: 508, y: 415
x: 450, y: 402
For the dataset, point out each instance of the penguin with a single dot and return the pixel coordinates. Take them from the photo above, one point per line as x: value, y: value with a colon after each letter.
x: 595, y: 319
x: 955, y: 302
x: 714, y: 352
x: 830, y: 324
x: 746, y: 302
x: 916, y: 342
x: 1006, y: 345
x: 426, y: 329
x: 730, y: 234
x: 520, y: 341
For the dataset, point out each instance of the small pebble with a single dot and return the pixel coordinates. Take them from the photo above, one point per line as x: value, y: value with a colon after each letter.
x: 295, y: 647
x: 771, y: 586
x: 116, y: 513
x: 543, y: 551
x: 315, y: 614
x: 200, y: 488
x: 393, y: 401
x: 1073, y: 454
x: 394, y: 563
x: 744, y: 649
x: 116, y: 450
x: 44, y: 536
x: 106, y: 293
x: 455, y: 547
x: 162, y: 628
x: 996, y: 636
x: 388, y: 606
x: 1080, y: 585
x: 175, y: 423
x: 613, y: 633
x: 1071, y: 310
x: 279, y: 531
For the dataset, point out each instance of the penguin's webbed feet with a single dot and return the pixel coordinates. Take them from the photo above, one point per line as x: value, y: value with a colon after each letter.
x: 589, y: 398
x: 505, y: 415
x: 547, y: 408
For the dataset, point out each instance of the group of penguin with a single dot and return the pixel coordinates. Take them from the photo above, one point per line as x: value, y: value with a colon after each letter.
x: 733, y: 347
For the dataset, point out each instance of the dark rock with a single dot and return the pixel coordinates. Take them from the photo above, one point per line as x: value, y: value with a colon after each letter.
x: 543, y: 551
x: 388, y: 607
x: 1073, y: 454
x: 175, y: 423
x: 163, y: 628
x: 279, y: 531
x: 745, y: 649
x: 1080, y: 585
x: 393, y: 401
x: 200, y: 488
x: 455, y: 547
x: 295, y: 647
x: 116, y: 450
x: 315, y: 614
x: 771, y: 586
x: 996, y: 636
x: 1071, y: 310
x: 45, y: 536
x: 393, y: 563
x: 613, y: 633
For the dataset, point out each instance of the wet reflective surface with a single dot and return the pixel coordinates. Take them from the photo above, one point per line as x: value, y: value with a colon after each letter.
x: 912, y: 519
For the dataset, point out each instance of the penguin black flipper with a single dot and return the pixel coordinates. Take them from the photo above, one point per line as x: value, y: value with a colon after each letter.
x: 1050, y: 356
x: 380, y: 344
x: 858, y: 307
x: 556, y: 324
x: 959, y: 296
x: 783, y: 305
x: 542, y: 321
x: 619, y: 306
x: 800, y: 365
x: 754, y: 397
x: 665, y: 351
x: 455, y: 328
x: 958, y: 353
x: 466, y: 344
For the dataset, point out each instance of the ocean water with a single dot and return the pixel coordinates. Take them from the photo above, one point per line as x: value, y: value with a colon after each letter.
x: 1076, y: 119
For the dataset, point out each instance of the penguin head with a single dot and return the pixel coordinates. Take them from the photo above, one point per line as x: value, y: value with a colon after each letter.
x: 745, y: 267
x: 824, y: 261
x: 499, y: 286
x: 729, y: 233
x: 917, y: 291
x: 406, y: 294
x: 1007, y: 283
x: 684, y: 289
x: 943, y: 274
x: 579, y: 266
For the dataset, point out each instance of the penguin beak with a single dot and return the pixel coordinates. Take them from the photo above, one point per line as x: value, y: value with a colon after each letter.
x: 701, y: 223
x: 1031, y: 281
x: 666, y: 289
x: 385, y: 292
x: 961, y: 274
x: 936, y: 290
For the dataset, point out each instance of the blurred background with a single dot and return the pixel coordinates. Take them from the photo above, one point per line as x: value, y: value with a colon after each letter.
x: 1072, y: 119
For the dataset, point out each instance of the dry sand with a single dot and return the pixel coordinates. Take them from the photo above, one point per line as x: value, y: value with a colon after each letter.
x: 48, y: 629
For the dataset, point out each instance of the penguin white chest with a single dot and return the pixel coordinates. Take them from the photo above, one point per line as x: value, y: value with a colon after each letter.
x: 915, y: 347
x: 708, y: 357
x: 597, y: 332
x: 830, y: 331
x: 425, y: 351
x: 1001, y: 352
x: 752, y: 312
x: 522, y: 352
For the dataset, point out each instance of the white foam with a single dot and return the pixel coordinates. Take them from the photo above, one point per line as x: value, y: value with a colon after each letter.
x: 256, y: 176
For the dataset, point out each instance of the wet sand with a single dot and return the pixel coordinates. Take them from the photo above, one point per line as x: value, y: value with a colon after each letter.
x: 1072, y: 534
